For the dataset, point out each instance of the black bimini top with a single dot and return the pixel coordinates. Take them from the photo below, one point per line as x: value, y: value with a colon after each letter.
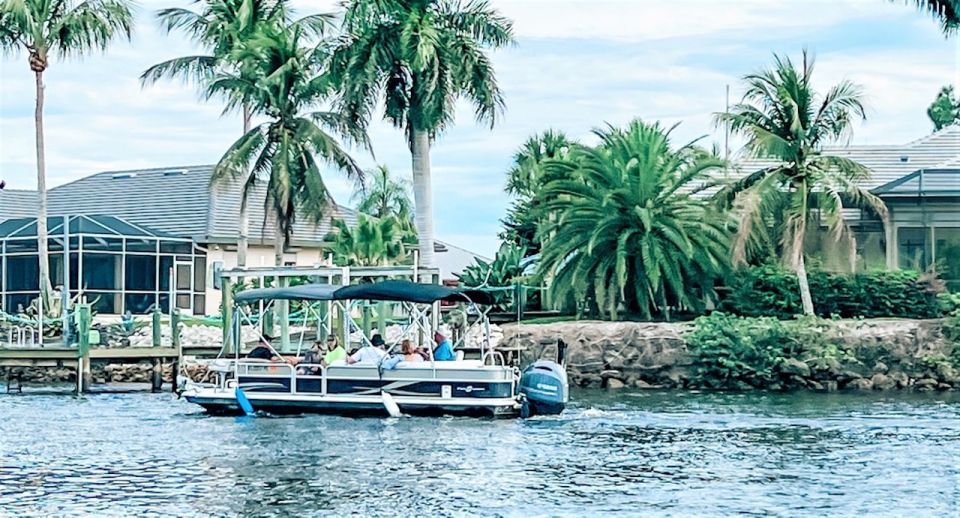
x: 302, y: 292
x: 396, y: 291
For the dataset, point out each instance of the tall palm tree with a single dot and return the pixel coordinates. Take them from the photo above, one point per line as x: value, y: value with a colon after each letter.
x: 281, y: 77
x: 630, y: 232
x: 380, y: 194
x: 63, y: 28
x: 419, y: 57
x: 219, y: 27
x: 785, y: 120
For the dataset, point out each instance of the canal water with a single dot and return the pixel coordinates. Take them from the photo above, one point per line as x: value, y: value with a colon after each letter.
x: 622, y: 454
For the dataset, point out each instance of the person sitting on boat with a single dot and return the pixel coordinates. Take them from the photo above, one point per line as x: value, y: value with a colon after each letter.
x: 312, y: 357
x: 263, y: 351
x: 409, y: 352
x: 371, y: 354
x: 335, y: 351
x: 444, y: 351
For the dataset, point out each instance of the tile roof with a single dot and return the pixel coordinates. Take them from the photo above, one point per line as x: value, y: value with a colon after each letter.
x: 888, y: 162
x: 180, y: 201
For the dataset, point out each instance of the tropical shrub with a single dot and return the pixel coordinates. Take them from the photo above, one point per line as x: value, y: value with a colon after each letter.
x: 629, y: 233
x: 770, y: 291
x: 506, y: 270
x: 372, y: 242
x: 733, y: 352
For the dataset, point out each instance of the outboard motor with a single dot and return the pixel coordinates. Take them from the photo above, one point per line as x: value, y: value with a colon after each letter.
x: 544, y: 386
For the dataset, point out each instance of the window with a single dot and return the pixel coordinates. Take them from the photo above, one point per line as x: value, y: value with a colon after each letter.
x: 912, y: 248
x: 947, y: 255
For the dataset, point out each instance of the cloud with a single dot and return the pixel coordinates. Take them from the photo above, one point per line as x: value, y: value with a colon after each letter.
x: 577, y: 65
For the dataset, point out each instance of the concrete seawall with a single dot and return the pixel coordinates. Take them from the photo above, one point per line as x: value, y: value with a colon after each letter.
x: 878, y: 354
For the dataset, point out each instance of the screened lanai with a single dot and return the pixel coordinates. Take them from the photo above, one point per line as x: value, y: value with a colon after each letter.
x: 117, y: 265
x: 925, y: 222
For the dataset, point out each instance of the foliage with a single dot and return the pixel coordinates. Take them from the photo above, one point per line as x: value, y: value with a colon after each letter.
x: 945, y: 109
x: 769, y: 291
x: 524, y: 180
x: 737, y: 352
x: 507, y: 269
x: 380, y: 195
x: 785, y: 121
x: 946, y: 11
x: 629, y: 231
x: 372, y: 242
x: 281, y: 75
x: 419, y: 57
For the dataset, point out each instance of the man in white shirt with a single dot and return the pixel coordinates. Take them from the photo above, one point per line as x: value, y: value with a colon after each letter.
x: 371, y: 354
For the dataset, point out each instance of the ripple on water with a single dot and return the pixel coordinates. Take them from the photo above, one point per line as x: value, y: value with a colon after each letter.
x: 628, y: 453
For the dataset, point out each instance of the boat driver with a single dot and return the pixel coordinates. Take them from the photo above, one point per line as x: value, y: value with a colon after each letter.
x: 444, y: 351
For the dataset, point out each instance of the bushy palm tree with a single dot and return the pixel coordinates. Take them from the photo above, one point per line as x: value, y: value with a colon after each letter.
x: 281, y: 77
x: 372, y: 242
x: 785, y: 120
x: 219, y: 27
x: 525, y: 177
x: 419, y: 57
x: 380, y: 194
x: 629, y: 232
x: 65, y: 28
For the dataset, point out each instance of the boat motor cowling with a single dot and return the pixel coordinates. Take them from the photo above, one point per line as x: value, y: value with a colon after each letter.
x: 544, y: 387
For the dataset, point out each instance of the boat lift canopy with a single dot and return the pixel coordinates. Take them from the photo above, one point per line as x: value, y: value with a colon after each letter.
x: 393, y: 291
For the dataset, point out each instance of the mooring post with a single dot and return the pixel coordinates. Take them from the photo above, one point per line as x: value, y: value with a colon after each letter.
x: 156, y: 328
x: 226, y: 311
x: 156, y: 375
x: 324, y: 324
x: 84, y: 377
x: 382, y: 318
x: 283, y: 314
x: 366, y: 323
x: 175, y: 328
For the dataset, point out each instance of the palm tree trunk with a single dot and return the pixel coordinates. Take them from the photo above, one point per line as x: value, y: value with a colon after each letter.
x: 423, y: 194
x: 805, y: 299
x: 43, y: 254
x: 243, y: 243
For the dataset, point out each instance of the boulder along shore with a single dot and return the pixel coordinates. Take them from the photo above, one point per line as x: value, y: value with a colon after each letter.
x: 880, y: 354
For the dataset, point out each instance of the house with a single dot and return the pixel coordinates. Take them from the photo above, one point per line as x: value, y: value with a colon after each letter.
x: 139, y: 237
x: 919, y: 182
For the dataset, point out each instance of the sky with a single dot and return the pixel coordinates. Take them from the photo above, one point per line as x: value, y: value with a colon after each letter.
x: 577, y: 65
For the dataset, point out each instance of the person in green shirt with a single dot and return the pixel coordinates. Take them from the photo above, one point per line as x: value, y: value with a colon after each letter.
x: 335, y: 351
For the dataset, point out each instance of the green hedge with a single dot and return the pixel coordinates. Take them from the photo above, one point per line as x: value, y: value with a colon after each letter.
x: 772, y: 291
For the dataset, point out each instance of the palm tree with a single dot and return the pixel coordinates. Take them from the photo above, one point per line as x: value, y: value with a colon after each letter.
x: 64, y: 28
x: 282, y: 80
x: 630, y: 233
x: 419, y: 57
x: 527, y: 173
x: 219, y: 27
x: 785, y: 120
x: 381, y: 195
x: 524, y: 179
x: 947, y: 11
x: 372, y: 242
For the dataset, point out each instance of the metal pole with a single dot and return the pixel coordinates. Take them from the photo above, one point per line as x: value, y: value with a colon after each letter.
x: 66, y: 282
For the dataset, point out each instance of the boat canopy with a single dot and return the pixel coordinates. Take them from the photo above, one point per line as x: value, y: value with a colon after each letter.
x: 302, y: 292
x: 394, y: 290
x: 406, y: 291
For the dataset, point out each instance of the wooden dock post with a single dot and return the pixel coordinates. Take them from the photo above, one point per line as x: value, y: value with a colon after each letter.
x: 156, y: 375
x: 382, y: 318
x: 84, y: 321
x: 157, y: 336
x: 226, y: 310
x: 366, y: 323
x: 175, y: 328
x: 283, y: 314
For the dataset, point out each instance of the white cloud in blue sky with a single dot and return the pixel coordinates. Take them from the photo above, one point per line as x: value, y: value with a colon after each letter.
x: 577, y: 65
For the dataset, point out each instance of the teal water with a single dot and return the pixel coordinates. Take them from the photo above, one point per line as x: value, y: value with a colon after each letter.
x: 622, y: 454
